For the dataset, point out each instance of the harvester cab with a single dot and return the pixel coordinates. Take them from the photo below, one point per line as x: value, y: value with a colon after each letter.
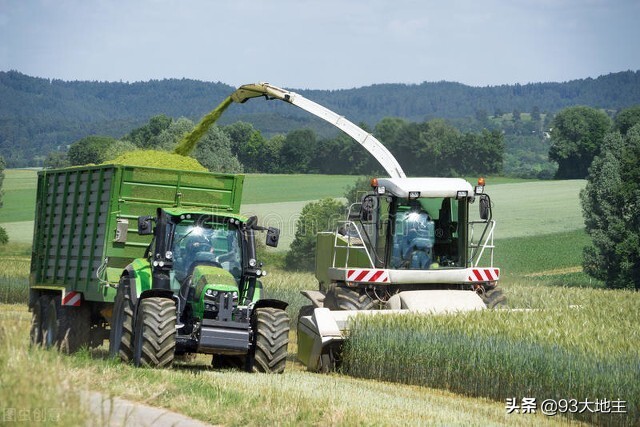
x: 198, y: 290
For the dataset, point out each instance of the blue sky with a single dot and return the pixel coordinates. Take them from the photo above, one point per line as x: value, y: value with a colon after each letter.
x: 325, y: 44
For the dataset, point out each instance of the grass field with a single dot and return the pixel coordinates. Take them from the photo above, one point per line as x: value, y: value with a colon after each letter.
x: 589, y: 352
x: 19, y: 198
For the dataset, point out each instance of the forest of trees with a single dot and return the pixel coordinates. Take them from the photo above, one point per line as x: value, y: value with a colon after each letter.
x: 40, y: 116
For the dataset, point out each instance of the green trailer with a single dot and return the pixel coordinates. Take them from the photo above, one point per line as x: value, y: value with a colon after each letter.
x: 91, y: 249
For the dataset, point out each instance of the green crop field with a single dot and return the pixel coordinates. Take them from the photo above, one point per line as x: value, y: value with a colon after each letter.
x: 262, y: 188
x: 535, y: 208
x: 579, y: 342
x: 19, y: 198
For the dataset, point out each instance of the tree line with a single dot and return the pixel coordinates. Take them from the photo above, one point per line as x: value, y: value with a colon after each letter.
x: 430, y: 148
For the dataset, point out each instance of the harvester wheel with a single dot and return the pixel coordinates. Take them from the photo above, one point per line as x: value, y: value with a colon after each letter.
x: 121, y: 334
x: 37, y: 320
x: 271, y: 338
x: 305, y: 310
x: 155, y: 333
x: 66, y: 327
x: 343, y: 298
x: 494, y: 298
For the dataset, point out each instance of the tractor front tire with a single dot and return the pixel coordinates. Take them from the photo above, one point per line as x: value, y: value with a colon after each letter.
x: 271, y: 338
x: 155, y: 333
x: 343, y: 298
x: 494, y: 298
x: 121, y: 333
x: 66, y: 328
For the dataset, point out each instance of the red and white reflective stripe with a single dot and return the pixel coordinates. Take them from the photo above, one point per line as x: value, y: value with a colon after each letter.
x: 368, y: 275
x: 484, y: 274
x: 71, y: 298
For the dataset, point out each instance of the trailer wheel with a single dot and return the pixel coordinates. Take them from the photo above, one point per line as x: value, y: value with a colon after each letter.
x: 66, y: 328
x: 343, y: 298
x: 121, y: 333
x: 37, y: 320
x: 494, y: 298
x: 271, y: 338
x: 155, y: 333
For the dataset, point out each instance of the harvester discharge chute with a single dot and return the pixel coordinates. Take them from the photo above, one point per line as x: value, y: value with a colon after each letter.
x: 411, y: 245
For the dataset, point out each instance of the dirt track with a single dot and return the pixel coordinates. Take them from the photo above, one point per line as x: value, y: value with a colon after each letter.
x: 113, y: 411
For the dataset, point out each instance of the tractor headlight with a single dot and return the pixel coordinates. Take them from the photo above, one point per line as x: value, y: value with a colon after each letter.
x: 462, y: 194
x: 414, y: 195
x: 253, y: 262
x: 211, y: 302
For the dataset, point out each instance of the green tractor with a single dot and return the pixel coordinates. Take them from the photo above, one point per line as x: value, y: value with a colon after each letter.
x: 198, y: 290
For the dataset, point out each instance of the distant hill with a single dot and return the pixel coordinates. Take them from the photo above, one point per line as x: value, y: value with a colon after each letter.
x: 37, y: 115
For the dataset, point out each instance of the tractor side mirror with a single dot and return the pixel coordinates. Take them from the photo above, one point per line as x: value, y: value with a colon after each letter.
x: 485, y: 207
x: 369, y: 205
x: 355, y: 211
x: 273, y: 236
x: 145, y: 225
x: 252, y: 221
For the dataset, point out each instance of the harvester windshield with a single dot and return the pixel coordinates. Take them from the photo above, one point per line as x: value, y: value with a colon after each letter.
x: 206, y: 242
x: 425, y: 233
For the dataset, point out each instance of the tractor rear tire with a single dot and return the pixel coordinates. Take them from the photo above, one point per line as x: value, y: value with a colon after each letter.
x: 37, y: 320
x: 121, y: 334
x: 494, y: 298
x: 66, y: 328
x: 155, y: 333
x: 343, y: 298
x: 271, y: 338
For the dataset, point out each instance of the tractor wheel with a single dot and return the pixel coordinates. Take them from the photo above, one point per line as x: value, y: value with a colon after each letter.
x: 155, y: 333
x: 66, y: 328
x: 37, y: 320
x: 121, y: 334
x: 343, y: 298
x: 494, y: 298
x: 271, y: 338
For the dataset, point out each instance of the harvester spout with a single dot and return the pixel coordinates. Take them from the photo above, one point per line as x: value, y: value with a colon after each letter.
x: 367, y: 140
